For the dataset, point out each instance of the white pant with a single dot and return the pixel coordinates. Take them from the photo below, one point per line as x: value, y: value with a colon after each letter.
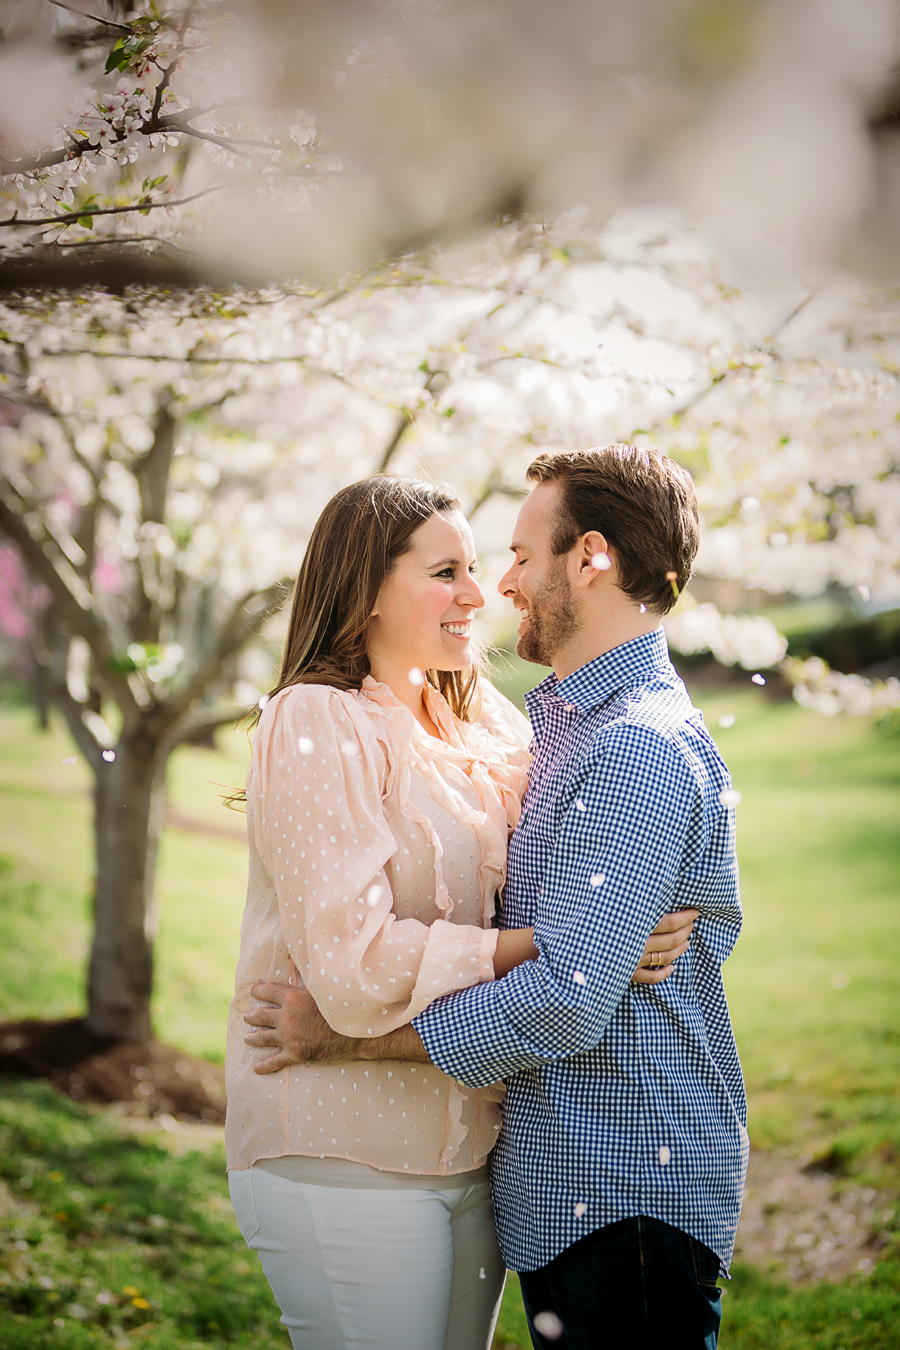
x: 356, y: 1269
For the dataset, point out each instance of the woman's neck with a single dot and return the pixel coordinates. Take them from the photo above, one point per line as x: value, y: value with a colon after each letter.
x: 410, y: 694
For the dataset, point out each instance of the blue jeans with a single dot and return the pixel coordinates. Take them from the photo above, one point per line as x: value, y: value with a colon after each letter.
x: 635, y: 1285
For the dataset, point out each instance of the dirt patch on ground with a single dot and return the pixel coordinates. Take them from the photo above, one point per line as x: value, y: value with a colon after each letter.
x: 154, y: 1079
x: 800, y: 1225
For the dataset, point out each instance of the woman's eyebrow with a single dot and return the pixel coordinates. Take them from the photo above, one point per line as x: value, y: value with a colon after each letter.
x: 445, y: 562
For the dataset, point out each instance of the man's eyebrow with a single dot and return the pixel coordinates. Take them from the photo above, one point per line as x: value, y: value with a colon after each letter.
x: 516, y: 546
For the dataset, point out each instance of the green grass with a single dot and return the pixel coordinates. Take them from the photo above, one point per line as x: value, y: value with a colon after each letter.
x: 813, y: 988
x: 108, y: 1239
x: 45, y: 884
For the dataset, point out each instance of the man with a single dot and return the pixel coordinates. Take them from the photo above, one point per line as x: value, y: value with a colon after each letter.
x: 619, y: 1171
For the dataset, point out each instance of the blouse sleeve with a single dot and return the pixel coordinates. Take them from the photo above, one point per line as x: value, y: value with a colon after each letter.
x: 316, y: 812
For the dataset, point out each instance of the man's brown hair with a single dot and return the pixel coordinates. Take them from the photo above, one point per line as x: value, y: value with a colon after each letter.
x: 642, y: 501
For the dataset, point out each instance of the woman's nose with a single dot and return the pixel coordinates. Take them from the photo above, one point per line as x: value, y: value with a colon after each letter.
x: 474, y: 595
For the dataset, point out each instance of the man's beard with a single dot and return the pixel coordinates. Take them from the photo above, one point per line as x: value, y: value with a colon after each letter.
x: 552, y: 618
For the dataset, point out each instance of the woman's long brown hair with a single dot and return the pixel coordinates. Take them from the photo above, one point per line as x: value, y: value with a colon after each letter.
x: 357, y: 539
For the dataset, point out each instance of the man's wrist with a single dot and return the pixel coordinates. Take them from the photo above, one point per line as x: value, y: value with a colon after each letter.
x: 404, y: 1043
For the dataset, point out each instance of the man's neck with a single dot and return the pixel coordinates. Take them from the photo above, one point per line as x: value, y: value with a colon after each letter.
x: 597, y: 638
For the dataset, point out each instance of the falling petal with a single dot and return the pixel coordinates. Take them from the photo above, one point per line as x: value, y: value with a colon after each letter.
x: 730, y: 797
x: 840, y: 979
x: 548, y: 1325
x: 374, y: 894
x: 579, y: 804
x: 349, y: 747
x: 482, y: 1274
x: 73, y: 759
x: 726, y: 720
x: 758, y: 679
x: 580, y: 1209
x: 416, y: 677
x: 109, y: 756
x: 601, y: 562
x: 597, y: 879
x: 864, y: 592
x: 262, y: 702
x: 305, y: 745
x: 643, y: 609
x: 665, y: 1155
x: 578, y: 977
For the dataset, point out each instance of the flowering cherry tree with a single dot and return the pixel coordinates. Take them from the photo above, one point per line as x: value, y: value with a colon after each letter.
x: 180, y: 141
x: 164, y: 457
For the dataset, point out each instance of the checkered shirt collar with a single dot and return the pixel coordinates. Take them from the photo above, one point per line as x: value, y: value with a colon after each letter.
x: 594, y: 683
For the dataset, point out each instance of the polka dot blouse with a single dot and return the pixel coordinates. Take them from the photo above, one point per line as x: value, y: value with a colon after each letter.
x: 376, y: 852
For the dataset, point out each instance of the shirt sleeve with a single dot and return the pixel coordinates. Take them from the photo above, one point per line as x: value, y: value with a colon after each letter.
x: 319, y: 826
x: 636, y: 808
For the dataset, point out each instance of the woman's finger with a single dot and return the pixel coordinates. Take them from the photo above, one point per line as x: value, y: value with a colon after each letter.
x: 676, y: 920
x: 644, y: 976
x: 668, y: 946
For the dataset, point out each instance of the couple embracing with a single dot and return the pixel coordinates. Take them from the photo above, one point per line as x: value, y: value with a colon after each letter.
x: 482, y: 958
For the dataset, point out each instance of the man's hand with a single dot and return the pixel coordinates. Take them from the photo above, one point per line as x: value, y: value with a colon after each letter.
x: 670, y: 939
x: 295, y: 1029
x: 299, y: 1034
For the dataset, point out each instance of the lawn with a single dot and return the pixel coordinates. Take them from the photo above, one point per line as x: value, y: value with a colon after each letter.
x: 813, y: 988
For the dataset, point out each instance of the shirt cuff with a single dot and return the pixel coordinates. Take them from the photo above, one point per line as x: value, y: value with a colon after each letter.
x: 489, y: 939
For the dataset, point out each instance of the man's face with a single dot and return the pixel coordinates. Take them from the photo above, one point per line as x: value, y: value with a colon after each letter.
x: 537, y: 582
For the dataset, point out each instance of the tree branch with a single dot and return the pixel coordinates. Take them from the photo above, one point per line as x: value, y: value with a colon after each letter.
x: 494, y: 487
x: 238, y: 628
x: 203, y: 719
x: 76, y: 609
x: 75, y: 217
x: 74, y: 712
x: 108, y: 23
x: 404, y: 422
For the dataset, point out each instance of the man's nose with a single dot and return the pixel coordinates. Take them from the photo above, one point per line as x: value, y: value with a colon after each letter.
x: 506, y: 585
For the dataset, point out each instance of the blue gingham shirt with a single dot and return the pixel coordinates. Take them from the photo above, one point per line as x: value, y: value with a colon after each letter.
x: 623, y: 1099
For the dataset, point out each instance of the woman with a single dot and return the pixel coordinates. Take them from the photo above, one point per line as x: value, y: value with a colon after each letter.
x: 385, y: 778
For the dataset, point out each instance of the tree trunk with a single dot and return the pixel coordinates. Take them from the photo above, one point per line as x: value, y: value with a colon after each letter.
x: 128, y: 812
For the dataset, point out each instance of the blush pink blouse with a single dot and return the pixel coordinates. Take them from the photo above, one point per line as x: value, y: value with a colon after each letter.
x: 376, y: 852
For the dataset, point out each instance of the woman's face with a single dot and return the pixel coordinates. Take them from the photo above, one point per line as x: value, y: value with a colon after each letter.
x: 423, y: 613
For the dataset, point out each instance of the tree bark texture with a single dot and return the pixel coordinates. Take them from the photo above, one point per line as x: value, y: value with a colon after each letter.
x: 128, y: 812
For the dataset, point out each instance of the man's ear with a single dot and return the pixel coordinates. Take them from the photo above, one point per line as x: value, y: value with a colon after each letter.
x: 594, y: 558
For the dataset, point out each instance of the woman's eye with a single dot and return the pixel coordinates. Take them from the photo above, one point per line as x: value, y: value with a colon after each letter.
x: 447, y: 572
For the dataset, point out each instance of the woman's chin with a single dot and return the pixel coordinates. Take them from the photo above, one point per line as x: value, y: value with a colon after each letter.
x: 451, y: 661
